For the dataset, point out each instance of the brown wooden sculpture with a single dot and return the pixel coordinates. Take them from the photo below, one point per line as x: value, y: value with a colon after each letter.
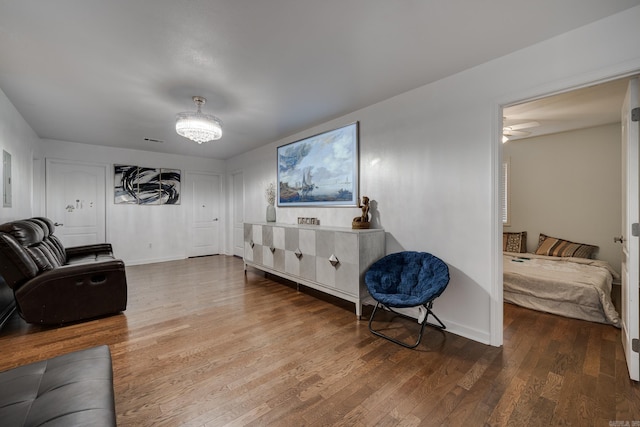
x: 363, y: 220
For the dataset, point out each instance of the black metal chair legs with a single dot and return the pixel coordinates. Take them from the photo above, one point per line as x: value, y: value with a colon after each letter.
x: 424, y: 322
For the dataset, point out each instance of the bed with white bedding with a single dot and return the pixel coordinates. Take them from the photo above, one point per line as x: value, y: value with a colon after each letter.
x: 573, y: 287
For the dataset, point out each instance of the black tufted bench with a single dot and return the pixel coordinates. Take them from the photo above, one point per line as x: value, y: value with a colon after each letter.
x: 75, y: 389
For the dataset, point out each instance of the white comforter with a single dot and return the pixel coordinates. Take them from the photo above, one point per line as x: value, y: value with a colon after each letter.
x: 573, y: 287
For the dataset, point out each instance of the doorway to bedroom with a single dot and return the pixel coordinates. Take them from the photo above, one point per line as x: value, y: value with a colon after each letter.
x: 563, y: 156
x: 562, y: 179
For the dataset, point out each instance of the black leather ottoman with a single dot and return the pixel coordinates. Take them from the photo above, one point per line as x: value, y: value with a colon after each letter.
x: 74, y: 389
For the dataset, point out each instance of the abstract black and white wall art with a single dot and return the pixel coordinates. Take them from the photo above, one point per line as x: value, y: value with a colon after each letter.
x: 169, y: 186
x: 125, y: 184
x: 146, y: 186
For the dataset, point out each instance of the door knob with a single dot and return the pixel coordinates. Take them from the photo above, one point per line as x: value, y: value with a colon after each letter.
x: 57, y: 224
x: 618, y: 239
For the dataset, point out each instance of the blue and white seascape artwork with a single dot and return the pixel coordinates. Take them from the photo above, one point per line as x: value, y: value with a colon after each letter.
x: 320, y: 170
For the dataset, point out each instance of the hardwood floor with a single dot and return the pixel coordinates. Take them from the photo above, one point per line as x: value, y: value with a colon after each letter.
x: 201, y: 344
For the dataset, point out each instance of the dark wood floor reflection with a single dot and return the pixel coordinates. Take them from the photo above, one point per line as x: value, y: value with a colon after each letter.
x: 203, y: 344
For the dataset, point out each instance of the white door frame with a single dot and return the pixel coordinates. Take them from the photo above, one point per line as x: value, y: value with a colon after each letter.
x: 232, y: 210
x: 496, y: 312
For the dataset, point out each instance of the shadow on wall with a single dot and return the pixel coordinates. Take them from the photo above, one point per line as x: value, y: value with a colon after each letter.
x: 375, y: 215
x: 392, y: 244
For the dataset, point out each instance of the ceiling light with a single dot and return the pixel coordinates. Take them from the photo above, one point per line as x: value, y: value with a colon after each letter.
x: 198, y: 127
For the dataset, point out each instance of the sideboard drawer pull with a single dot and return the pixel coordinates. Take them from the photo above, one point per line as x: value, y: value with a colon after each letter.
x: 333, y: 260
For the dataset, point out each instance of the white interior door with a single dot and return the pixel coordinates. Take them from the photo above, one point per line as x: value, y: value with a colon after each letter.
x: 630, y: 216
x: 205, y: 203
x: 75, y: 201
x: 238, y: 214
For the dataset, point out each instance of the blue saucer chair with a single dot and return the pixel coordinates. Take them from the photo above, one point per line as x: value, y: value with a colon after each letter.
x: 407, y: 279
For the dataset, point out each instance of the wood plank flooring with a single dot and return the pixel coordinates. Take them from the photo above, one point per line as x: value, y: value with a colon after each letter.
x: 201, y: 344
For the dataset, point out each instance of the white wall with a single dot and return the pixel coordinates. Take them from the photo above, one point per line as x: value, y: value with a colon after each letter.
x: 130, y: 228
x: 568, y: 185
x: 19, y: 140
x: 430, y: 158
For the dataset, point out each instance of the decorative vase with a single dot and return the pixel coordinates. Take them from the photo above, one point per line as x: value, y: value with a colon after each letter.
x: 271, y: 213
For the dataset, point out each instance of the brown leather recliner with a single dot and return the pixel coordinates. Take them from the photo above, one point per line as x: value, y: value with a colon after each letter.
x: 53, y: 285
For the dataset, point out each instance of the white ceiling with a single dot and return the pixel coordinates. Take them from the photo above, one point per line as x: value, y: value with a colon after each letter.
x: 113, y: 72
x: 587, y: 107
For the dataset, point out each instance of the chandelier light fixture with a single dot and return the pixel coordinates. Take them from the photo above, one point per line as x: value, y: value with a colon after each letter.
x: 197, y: 126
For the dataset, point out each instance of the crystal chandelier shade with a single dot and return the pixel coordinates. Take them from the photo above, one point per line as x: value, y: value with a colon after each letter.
x: 197, y: 126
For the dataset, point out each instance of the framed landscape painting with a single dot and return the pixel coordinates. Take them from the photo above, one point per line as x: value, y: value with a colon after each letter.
x: 321, y: 170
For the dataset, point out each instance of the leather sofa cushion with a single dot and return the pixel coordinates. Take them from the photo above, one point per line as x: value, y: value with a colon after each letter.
x: 26, y: 267
x: 43, y: 257
x: 45, y: 223
x: 52, y: 242
x: 25, y: 232
x: 72, y: 389
x: 45, y: 250
x: 55, y: 246
x: 35, y: 236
